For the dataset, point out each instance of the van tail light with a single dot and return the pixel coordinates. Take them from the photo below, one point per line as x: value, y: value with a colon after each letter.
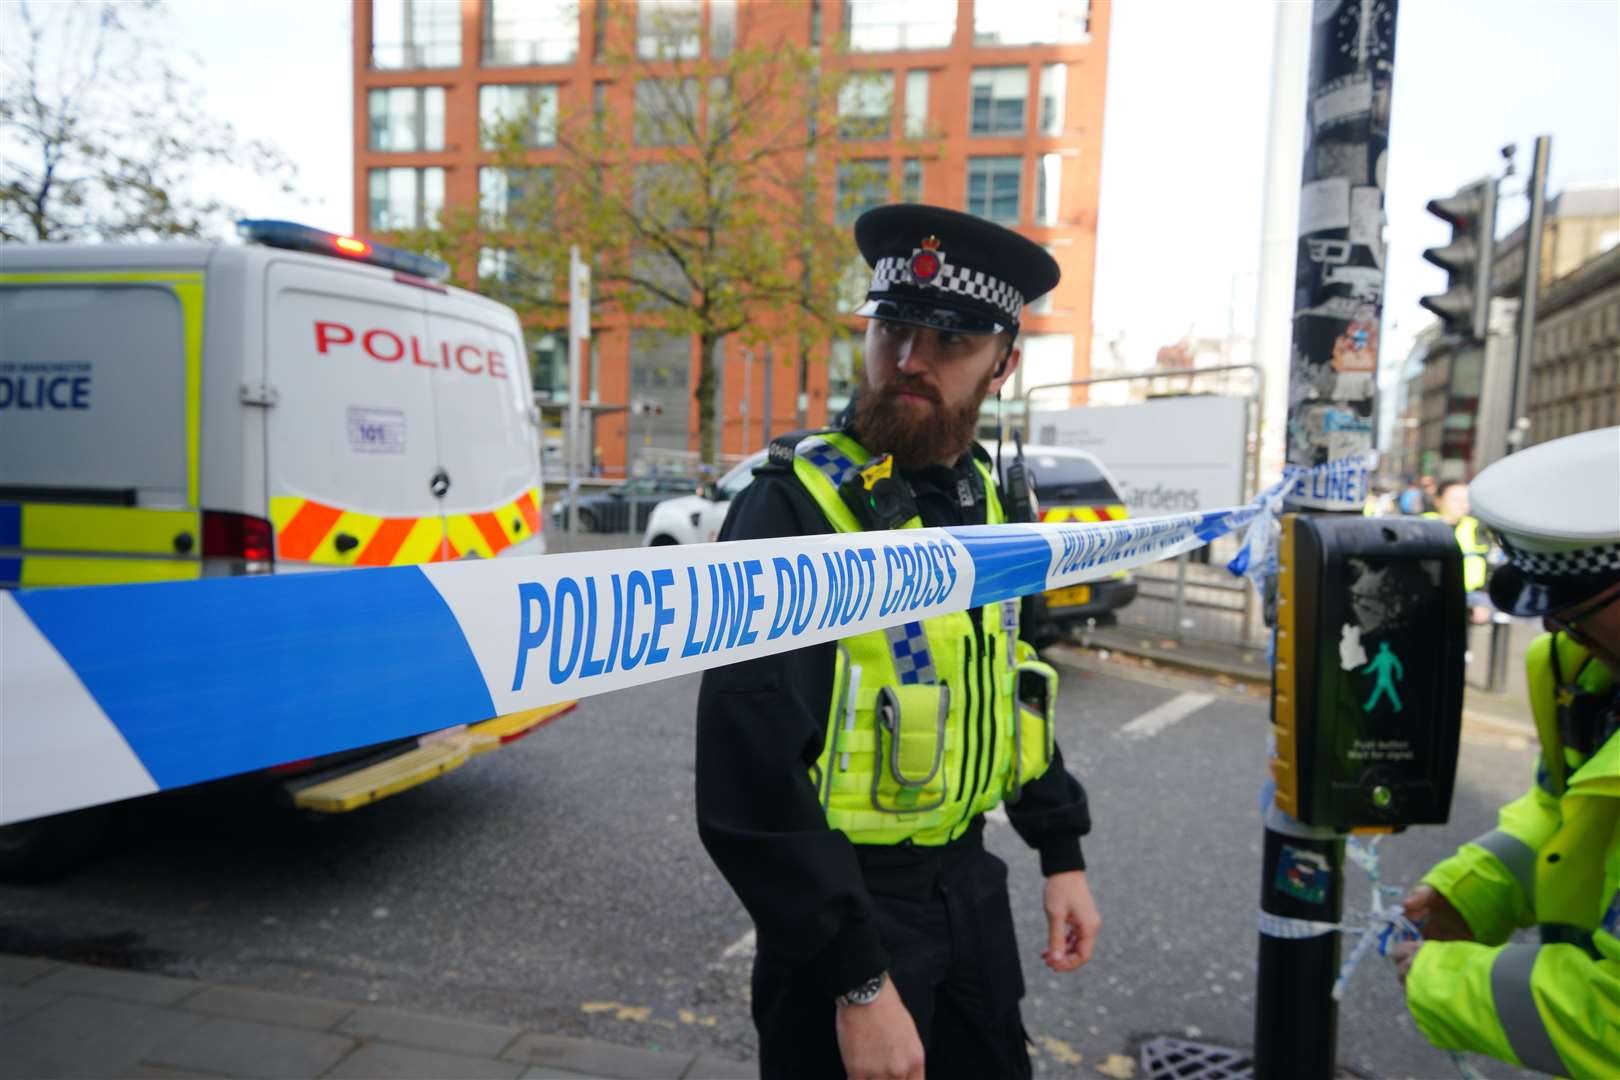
x: 235, y: 536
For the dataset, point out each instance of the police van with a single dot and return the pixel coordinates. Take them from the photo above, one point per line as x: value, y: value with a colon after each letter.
x: 301, y: 401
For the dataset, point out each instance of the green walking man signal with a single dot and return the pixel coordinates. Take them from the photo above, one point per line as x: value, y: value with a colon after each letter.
x: 1380, y: 668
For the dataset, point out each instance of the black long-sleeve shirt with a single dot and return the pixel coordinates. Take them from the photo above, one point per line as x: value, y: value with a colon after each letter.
x: 760, y: 728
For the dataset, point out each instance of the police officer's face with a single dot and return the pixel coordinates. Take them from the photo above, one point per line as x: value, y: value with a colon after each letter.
x: 930, y: 369
x: 1594, y: 623
x: 921, y: 390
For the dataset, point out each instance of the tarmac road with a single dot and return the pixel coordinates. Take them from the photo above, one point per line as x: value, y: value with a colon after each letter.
x: 559, y: 884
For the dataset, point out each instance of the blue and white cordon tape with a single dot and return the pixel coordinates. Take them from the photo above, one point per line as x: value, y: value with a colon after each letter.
x: 123, y: 690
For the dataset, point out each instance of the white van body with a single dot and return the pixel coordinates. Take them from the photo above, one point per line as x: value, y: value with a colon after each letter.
x: 165, y: 409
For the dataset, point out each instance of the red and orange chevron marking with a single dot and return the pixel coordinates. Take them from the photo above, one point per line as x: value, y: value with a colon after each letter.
x: 1058, y: 514
x: 310, y: 531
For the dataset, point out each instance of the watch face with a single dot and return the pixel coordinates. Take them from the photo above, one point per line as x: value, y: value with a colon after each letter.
x: 865, y: 993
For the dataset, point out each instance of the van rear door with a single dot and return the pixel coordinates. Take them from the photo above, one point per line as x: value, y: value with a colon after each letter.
x: 488, y: 442
x: 100, y: 375
x: 351, y: 442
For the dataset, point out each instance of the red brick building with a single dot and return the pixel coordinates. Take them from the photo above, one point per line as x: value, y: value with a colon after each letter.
x: 1010, y: 96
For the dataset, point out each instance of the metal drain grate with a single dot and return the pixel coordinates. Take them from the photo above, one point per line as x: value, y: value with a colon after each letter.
x: 1167, y: 1058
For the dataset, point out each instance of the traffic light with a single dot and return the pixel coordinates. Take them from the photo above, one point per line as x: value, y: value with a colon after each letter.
x: 1464, y: 306
x: 1367, y: 695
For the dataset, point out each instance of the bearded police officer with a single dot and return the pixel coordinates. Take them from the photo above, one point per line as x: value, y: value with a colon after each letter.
x: 842, y: 788
x: 1553, y: 860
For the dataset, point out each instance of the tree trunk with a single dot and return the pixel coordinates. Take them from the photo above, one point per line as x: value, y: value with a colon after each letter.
x: 708, y: 379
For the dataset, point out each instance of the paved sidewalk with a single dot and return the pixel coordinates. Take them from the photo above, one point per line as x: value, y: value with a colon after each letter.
x: 68, y: 1020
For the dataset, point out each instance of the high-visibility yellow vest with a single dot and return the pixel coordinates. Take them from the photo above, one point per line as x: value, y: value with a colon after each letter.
x: 925, y: 730
x: 1474, y: 549
x: 1552, y: 862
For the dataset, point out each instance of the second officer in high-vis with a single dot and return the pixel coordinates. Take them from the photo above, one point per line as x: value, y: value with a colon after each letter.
x: 842, y: 788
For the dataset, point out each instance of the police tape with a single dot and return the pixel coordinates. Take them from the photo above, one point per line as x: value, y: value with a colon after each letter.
x: 111, y: 692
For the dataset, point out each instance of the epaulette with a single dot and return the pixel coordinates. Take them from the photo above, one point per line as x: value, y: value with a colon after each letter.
x: 779, y: 455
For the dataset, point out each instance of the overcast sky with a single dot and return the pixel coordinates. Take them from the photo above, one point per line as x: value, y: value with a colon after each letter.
x: 1184, y: 135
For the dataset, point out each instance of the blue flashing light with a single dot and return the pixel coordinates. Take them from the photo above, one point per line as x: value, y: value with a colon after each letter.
x: 292, y: 236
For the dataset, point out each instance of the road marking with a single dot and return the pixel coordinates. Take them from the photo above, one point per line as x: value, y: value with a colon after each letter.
x: 1162, y: 716
x: 997, y: 815
x: 743, y: 946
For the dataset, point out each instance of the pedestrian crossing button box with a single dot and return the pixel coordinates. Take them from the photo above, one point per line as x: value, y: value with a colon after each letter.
x: 1366, y: 701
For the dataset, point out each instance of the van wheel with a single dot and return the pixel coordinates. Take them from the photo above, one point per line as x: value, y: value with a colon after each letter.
x: 49, y: 847
x: 662, y: 540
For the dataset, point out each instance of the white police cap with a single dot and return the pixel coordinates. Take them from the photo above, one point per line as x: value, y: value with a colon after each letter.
x: 1556, y: 510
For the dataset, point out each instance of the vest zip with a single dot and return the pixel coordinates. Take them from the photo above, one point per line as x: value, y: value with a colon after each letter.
x: 977, y: 651
x: 967, y: 712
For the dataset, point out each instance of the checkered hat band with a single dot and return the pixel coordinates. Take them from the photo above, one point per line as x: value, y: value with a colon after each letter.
x: 1599, y: 559
x: 972, y: 284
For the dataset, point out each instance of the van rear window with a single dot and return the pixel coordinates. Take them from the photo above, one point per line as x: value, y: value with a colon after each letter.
x: 93, y: 392
x: 1063, y: 480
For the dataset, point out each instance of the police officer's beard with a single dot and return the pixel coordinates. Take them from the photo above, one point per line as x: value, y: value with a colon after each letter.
x: 916, y: 435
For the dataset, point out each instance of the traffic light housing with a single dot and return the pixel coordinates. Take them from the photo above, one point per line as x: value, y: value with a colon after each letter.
x: 1464, y: 307
x: 1368, y: 685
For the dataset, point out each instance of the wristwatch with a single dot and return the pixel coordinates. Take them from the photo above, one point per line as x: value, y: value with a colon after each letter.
x: 865, y: 993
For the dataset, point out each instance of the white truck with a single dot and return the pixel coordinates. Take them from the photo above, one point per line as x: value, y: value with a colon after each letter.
x: 301, y: 401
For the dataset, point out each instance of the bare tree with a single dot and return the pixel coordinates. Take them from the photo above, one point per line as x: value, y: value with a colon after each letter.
x: 100, y: 134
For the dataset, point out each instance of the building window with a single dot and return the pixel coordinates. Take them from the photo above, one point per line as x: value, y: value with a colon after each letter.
x: 530, y: 112
x: 669, y: 29
x: 1048, y: 183
x: 550, y: 352
x: 911, y: 181
x: 1050, y: 22
x: 1054, y: 93
x: 865, y: 104
x: 890, y: 25
x: 510, y: 198
x: 722, y: 28
x: 916, y: 104
x: 405, y: 198
x: 999, y: 94
x: 844, y: 362
x: 415, y: 34
x: 666, y: 111
x: 992, y: 188
x: 407, y: 118
x: 861, y: 186
x: 530, y: 32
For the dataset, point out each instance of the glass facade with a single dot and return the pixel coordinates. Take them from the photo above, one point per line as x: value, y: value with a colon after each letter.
x: 916, y: 104
x: 1048, y: 183
x: 666, y: 111
x: 1054, y: 94
x: 415, y: 34
x: 998, y: 97
x: 509, y: 198
x: 532, y: 107
x: 405, y: 198
x: 890, y: 25
x: 911, y: 180
x: 992, y: 188
x: 406, y: 118
x: 669, y: 29
x: 1046, y: 22
x: 865, y: 105
x: 861, y: 186
x: 524, y: 32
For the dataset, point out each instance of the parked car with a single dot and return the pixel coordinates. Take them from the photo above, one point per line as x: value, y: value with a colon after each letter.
x: 696, y: 519
x: 624, y: 507
x: 1070, y: 485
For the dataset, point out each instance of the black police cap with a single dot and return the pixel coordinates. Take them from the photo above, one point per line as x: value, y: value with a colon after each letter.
x: 949, y: 270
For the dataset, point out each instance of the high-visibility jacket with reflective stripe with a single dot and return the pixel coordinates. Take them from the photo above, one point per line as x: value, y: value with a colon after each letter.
x: 925, y: 730
x: 1471, y: 539
x: 1552, y: 862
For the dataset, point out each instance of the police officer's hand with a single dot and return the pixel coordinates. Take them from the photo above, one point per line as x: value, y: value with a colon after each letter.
x: 880, y: 1040
x: 1072, y: 921
x: 1435, y: 916
x: 1403, y: 953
